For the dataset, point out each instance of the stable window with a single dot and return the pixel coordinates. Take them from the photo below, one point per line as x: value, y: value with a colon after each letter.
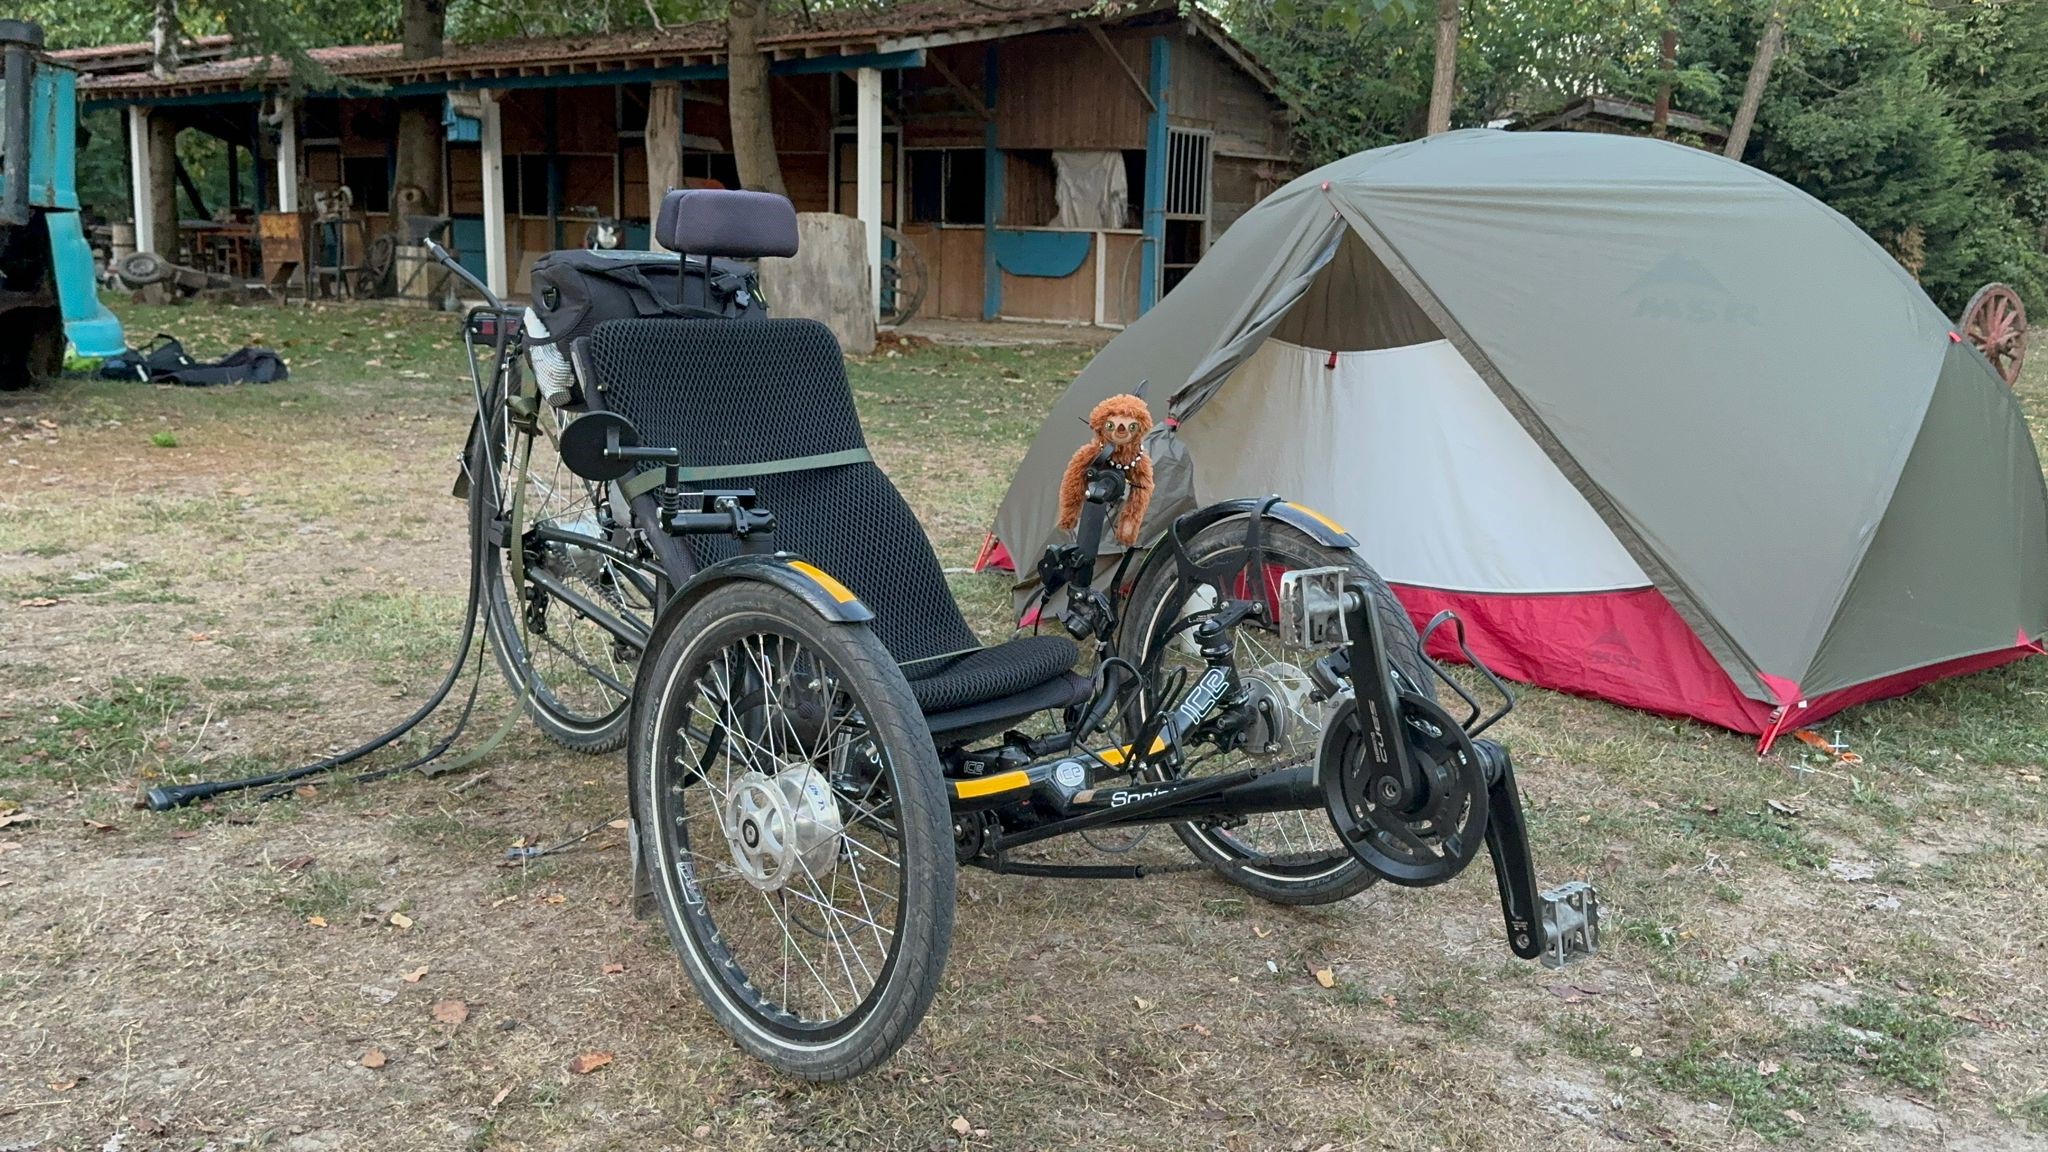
x: 718, y: 166
x: 948, y: 185
x: 369, y: 182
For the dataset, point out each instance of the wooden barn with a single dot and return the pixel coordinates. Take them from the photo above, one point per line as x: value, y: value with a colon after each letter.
x: 1045, y: 160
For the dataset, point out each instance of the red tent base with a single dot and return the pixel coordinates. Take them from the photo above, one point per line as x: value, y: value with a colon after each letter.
x: 1632, y: 648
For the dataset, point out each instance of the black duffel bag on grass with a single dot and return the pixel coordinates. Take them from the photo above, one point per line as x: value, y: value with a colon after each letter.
x: 163, y: 361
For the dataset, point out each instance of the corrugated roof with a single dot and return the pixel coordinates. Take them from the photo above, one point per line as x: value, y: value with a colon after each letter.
x: 841, y: 32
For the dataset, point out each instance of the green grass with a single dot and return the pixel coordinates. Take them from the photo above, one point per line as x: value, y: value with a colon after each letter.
x: 104, y: 737
x: 1903, y: 1041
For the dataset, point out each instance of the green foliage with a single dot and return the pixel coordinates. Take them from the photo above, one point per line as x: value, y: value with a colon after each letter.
x: 1920, y: 123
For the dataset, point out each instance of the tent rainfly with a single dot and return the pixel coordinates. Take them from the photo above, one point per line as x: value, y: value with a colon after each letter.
x: 1663, y: 429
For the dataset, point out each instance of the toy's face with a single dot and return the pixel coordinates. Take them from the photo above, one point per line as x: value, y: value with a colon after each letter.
x: 1121, y: 430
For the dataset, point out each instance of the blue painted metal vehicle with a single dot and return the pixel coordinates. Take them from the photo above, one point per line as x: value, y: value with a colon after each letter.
x: 47, y: 294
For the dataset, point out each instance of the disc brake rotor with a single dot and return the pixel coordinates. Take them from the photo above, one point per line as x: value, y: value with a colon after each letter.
x: 782, y: 827
x: 1417, y: 830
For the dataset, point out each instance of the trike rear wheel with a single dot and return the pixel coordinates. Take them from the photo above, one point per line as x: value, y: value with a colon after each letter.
x: 1293, y: 857
x: 795, y: 828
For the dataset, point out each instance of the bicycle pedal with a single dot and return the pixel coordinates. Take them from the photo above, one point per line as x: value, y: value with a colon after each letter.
x: 1571, y: 923
x: 1312, y: 607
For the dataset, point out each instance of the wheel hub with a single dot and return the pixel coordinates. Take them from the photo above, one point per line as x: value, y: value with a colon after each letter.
x: 1280, y: 706
x: 782, y: 827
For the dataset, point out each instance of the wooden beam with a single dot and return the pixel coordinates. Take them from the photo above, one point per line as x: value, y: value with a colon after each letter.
x: 969, y: 96
x: 1101, y: 40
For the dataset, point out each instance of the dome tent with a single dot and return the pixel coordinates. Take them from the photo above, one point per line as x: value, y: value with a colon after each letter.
x: 1662, y: 429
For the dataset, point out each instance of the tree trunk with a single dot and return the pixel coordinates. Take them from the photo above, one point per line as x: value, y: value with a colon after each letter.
x: 664, y: 145
x: 746, y: 70
x: 163, y: 180
x: 1443, y: 89
x: 416, y: 173
x: 1667, y: 63
x: 1767, y: 48
x: 163, y: 37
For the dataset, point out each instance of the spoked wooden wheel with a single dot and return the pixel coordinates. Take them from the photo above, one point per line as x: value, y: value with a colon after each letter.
x: 1996, y: 322
x: 904, y: 277
x: 795, y: 827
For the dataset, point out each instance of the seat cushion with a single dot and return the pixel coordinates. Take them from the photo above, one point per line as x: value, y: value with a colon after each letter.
x: 987, y: 674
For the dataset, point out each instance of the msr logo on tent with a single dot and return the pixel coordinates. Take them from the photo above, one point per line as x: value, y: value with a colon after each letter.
x: 1679, y: 287
x: 1612, y: 647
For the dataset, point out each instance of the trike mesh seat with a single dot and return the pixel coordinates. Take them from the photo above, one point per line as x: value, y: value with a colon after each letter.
x: 734, y: 393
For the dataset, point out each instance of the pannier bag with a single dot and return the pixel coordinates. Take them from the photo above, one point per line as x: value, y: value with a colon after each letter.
x: 576, y: 290
x: 163, y: 361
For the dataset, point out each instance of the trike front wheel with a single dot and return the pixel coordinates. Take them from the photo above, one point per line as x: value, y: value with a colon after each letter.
x: 795, y: 826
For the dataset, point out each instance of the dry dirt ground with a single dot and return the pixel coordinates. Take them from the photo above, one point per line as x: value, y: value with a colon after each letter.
x: 1800, y: 953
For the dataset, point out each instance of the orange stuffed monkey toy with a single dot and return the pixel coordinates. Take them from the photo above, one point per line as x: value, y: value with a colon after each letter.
x: 1121, y: 421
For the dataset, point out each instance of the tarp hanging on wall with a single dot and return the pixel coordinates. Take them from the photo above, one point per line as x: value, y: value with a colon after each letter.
x: 1091, y: 191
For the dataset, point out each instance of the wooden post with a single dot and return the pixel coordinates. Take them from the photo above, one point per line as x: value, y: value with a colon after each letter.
x: 288, y: 155
x: 142, y: 197
x: 868, y: 133
x: 493, y: 148
x: 664, y: 140
x: 992, y: 191
x: 1155, y: 177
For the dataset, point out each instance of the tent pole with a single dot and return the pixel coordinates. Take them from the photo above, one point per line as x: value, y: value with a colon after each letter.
x: 991, y: 193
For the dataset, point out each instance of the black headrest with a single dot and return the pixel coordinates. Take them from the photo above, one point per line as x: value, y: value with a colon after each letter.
x: 717, y: 222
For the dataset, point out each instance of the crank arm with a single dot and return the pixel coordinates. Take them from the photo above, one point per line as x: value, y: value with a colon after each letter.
x: 1557, y: 926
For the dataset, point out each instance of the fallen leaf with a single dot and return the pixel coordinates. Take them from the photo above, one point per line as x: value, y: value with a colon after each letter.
x: 297, y: 864
x: 1794, y: 1116
x: 63, y: 1085
x: 1034, y: 1018
x: 16, y: 818
x: 450, y: 1012
x: 38, y: 602
x: 414, y: 976
x: 199, y: 638
x: 1143, y: 1004
x: 589, y: 1062
x: 305, y: 791
x: 1200, y: 1030
x: 1972, y: 1069
x: 400, y: 920
x: 557, y: 898
x: 1572, y: 993
x: 621, y: 822
x: 500, y: 1097
x: 1326, y: 978
x: 701, y: 1131
x: 317, y: 921
x: 1785, y: 808
x: 374, y: 1058
x: 613, y: 969
x: 1767, y: 1068
x: 960, y: 1126
x: 98, y: 826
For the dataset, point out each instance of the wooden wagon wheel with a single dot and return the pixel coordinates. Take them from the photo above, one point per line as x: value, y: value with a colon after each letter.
x: 1996, y: 322
x: 904, y: 277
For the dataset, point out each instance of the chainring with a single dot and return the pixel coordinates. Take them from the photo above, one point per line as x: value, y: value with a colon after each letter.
x: 1418, y: 831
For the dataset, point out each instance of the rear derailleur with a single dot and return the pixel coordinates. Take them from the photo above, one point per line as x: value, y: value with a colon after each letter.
x: 1413, y: 791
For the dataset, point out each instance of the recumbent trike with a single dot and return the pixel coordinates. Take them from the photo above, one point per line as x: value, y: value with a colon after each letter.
x: 702, y: 562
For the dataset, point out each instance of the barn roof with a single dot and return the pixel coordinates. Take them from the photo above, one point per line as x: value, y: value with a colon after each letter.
x: 120, y: 73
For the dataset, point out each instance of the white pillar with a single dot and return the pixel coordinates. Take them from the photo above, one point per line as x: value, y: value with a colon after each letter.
x: 139, y: 190
x: 868, y: 123
x: 494, y: 194
x: 287, y: 155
